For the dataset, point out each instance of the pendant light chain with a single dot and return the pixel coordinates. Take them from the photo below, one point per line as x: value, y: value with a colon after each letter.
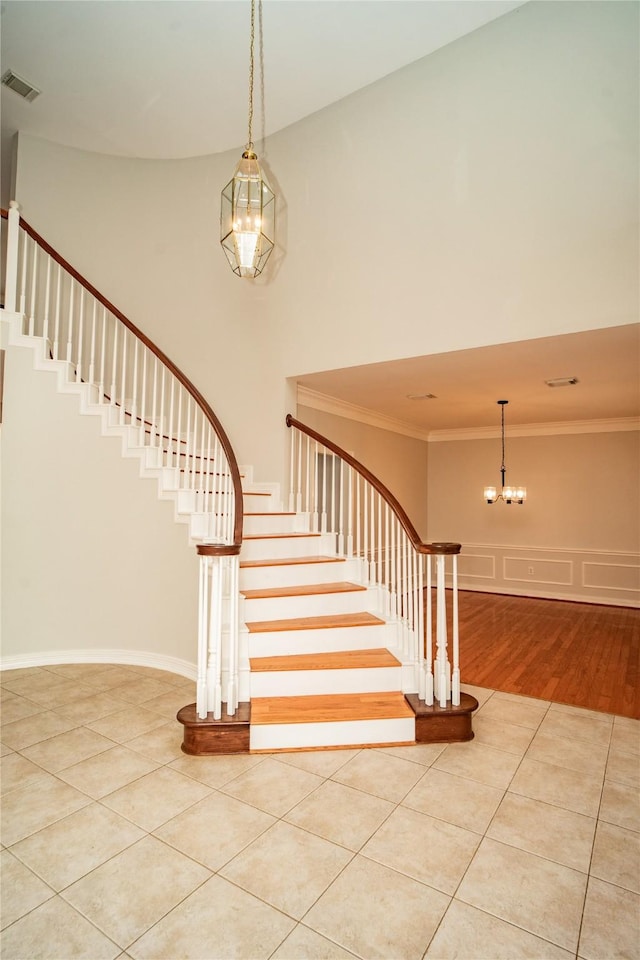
x: 251, y: 44
x: 503, y: 468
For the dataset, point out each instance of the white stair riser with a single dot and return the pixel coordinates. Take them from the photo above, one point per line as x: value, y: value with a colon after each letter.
x: 325, y: 640
x: 270, y: 522
x: 306, y: 683
x: 291, y: 736
x: 281, y: 547
x: 312, y: 605
x: 297, y: 574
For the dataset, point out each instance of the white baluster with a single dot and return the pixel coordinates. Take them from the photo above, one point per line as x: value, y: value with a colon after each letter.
x: 299, y: 478
x: 429, y: 639
x: 112, y: 398
x: 92, y: 357
x: 350, y: 512
x: 422, y: 678
x: 56, y: 327
x: 143, y: 398
x: 455, y: 676
x: 154, y: 401
x: 24, y: 261
x: 70, y: 323
x: 316, y: 493
x: 232, y: 635
x: 307, y: 485
x: 186, y: 483
x: 34, y: 282
x: 133, y: 418
x: 292, y: 456
x: 80, y: 336
x: 123, y: 383
x: 47, y: 294
x: 103, y: 354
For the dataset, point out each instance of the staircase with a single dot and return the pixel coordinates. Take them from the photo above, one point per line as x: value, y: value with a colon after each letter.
x: 312, y: 632
x: 322, y: 673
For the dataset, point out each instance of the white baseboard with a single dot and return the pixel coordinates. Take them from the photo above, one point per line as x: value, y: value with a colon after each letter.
x: 137, y: 658
x: 549, y: 595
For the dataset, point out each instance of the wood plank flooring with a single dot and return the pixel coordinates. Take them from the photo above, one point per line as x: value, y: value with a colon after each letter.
x: 581, y: 654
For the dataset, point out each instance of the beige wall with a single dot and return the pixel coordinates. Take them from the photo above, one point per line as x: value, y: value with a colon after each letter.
x: 93, y: 564
x: 483, y: 194
x: 582, y: 508
x: 399, y: 462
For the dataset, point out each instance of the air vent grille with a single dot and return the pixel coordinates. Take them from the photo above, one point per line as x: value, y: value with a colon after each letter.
x: 24, y: 89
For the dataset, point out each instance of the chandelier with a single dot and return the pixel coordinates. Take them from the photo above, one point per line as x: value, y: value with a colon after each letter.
x: 508, y: 494
x: 247, y: 212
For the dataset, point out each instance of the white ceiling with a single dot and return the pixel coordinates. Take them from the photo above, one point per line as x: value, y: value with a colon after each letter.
x: 468, y: 383
x: 169, y: 79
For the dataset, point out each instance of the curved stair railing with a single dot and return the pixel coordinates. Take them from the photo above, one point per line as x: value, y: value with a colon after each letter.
x: 341, y: 497
x: 174, y: 428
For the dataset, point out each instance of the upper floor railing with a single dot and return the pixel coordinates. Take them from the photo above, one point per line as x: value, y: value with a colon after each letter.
x: 343, y: 498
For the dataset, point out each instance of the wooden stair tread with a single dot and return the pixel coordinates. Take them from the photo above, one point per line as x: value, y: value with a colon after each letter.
x: 339, y: 660
x: 304, y: 590
x: 362, y: 619
x: 278, y: 536
x: 332, y: 708
x: 269, y: 513
x: 285, y: 561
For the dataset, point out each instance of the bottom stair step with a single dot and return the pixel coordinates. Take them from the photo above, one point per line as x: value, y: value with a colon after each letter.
x: 290, y: 723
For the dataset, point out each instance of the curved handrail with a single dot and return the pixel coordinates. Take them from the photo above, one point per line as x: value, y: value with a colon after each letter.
x: 179, y: 375
x: 385, y: 493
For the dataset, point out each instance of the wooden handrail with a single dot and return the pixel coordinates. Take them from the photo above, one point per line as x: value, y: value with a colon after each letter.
x: 179, y: 375
x: 387, y: 496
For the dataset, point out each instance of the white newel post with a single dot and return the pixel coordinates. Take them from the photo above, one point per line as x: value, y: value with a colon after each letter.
x: 13, y: 239
x: 442, y: 668
x: 455, y: 676
x: 218, y: 632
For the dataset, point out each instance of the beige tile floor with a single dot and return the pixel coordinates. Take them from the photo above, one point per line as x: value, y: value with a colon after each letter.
x: 522, y: 843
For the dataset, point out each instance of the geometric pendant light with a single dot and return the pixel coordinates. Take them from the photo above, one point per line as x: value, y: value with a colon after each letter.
x: 248, y: 205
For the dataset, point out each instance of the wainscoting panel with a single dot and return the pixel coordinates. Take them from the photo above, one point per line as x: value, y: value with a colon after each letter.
x: 536, y: 570
x: 595, y: 576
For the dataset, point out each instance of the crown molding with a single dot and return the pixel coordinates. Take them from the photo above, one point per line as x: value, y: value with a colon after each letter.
x: 341, y: 408
x: 538, y: 429
x: 350, y: 411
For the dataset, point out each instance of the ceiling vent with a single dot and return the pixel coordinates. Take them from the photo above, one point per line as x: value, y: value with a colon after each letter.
x: 562, y: 382
x: 19, y: 86
x: 421, y: 396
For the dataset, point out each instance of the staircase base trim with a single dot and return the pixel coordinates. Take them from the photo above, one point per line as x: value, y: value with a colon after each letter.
x: 209, y: 737
x: 438, y: 724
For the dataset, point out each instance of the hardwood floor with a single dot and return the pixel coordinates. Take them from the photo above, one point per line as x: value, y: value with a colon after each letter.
x: 575, y: 653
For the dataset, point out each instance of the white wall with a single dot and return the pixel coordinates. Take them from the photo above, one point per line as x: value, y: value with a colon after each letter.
x: 578, y: 534
x: 93, y: 564
x: 486, y: 193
